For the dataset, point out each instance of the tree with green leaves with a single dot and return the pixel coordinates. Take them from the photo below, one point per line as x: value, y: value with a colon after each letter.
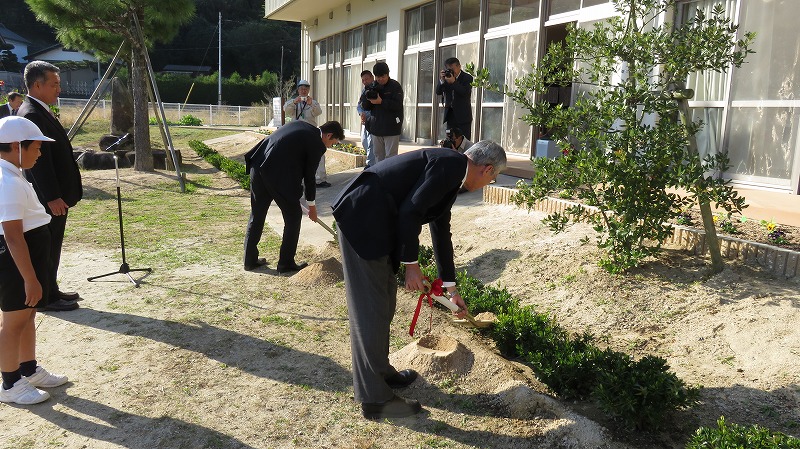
x: 102, y: 26
x: 627, y: 142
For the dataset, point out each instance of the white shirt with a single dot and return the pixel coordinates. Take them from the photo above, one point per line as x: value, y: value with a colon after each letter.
x: 18, y: 200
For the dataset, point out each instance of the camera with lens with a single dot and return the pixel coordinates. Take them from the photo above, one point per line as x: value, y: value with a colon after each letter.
x: 371, y: 90
x: 449, y: 142
x: 448, y: 73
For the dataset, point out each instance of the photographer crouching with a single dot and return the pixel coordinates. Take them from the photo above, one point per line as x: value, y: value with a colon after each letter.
x: 456, y: 141
x: 455, y: 87
x: 384, y: 100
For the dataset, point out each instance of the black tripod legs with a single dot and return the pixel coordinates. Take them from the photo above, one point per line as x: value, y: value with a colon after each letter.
x: 123, y: 269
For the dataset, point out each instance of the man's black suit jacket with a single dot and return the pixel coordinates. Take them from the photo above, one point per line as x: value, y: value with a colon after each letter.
x: 5, y: 110
x: 289, y: 155
x: 55, y: 174
x: 381, y: 212
x: 457, y: 98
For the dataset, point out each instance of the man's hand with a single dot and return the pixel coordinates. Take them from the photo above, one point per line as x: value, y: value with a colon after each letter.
x: 456, y: 299
x: 414, y: 277
x: 441, y: 75
x: 57, y: 207
x: 363, y: 118
x: 378, y: 100
x: 309, y: 100
x: 297, y: 100
x: 312, y: 213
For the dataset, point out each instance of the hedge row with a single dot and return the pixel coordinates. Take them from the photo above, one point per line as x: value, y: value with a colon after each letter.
x: 640, y: 393
x: 235, y: 170
x: 236, y: 90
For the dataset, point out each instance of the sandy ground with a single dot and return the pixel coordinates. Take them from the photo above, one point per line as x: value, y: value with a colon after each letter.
x: 211, y: 356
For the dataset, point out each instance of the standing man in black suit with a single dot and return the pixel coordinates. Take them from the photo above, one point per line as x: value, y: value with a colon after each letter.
x: 379, y: 216
x: 455, y: 86
x: 55, y: 176
x: 279, y: 167
x: 14, y: 102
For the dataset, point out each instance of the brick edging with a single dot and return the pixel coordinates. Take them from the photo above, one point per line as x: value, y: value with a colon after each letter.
x: 780, y: 261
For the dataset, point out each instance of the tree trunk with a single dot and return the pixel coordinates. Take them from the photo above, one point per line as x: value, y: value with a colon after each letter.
x: 141, y: 124
x: 682, y: 96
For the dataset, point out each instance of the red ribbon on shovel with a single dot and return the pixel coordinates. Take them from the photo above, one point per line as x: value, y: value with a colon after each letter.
x: 436, y: 290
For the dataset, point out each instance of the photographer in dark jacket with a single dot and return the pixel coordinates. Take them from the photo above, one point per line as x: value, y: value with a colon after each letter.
x: 384, y: 100
x: 455, y: 86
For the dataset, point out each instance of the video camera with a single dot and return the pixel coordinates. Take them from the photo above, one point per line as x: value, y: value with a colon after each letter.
x: 371, y: 90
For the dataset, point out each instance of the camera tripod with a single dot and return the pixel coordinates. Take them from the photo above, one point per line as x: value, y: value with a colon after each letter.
x: 124, y: 268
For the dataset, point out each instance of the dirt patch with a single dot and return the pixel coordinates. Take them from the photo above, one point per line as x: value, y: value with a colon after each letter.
x: 326, y: 272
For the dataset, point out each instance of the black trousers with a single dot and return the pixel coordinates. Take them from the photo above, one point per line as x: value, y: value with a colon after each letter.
x: 57, y: 226
x: 465, y: 127
x: 262, y: 193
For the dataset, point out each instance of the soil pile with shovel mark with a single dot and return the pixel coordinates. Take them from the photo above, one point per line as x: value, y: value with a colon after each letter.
x: 325, y: 272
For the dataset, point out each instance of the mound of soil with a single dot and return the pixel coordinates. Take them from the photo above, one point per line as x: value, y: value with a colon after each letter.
x: 326, y: 272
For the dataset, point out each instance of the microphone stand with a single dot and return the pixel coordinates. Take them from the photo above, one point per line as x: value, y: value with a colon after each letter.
x: 124, y: 268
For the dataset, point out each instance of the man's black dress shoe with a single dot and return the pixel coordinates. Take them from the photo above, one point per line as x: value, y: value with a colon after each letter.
x: 323, y: 184
x: 396, y: 407
x: 402, y: 379
x: 59, y: 305
x: 291, y: 268
x: 252, y: 266
x: 68, y: 296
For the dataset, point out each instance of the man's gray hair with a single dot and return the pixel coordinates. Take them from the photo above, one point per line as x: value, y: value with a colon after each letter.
x: 37, y: 71
x: 487, y: 152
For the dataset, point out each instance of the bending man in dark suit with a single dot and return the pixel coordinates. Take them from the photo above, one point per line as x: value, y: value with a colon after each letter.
x: 279, y: 167
x: 456, y: 88
x: 55, y: 176
x: 379, y: 216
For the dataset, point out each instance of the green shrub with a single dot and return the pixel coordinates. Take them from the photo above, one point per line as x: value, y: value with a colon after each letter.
x: 640, y: 393
x: 349, y: 148
x: 734, y: 436
x: 190, y: 120
x: 232, y: 168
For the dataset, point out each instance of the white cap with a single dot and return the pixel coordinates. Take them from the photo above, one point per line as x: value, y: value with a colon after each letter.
x: 303, y: 83
x: 17, y: 129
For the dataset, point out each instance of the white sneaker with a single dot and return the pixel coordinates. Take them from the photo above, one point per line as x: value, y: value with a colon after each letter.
x: 23, y: 393
x: 43, y: 379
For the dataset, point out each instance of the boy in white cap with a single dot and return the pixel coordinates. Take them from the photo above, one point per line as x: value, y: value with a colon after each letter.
x: 304, y: 107
x: 24, y: 264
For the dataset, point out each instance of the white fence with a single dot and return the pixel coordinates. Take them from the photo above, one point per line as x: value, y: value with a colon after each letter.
x: 212, y: 115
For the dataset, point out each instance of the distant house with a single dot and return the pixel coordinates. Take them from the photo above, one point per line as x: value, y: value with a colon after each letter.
x: 79, y: 70
x: 20, y: 43
x: 191, y: 70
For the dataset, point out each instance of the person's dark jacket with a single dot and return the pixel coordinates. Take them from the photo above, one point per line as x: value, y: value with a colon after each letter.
x: 289, y: 155
x: 457, y: 98
x: 381, y: 212
x: 386, y: 119
x: 55, y: 174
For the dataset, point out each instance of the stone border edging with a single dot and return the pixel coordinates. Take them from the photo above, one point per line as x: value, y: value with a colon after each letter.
x: 779, y: 261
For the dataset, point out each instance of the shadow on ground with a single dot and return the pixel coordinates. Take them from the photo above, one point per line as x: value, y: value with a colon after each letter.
x: 252, y: 355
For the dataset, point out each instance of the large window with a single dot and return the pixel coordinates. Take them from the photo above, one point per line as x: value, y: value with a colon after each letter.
x: 460, y: 17
x: 421, y: 24
x: 503, y: 12
x: 338, y: 61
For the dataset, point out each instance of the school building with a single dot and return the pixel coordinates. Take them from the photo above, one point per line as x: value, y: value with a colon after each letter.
x: 751, y: 113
